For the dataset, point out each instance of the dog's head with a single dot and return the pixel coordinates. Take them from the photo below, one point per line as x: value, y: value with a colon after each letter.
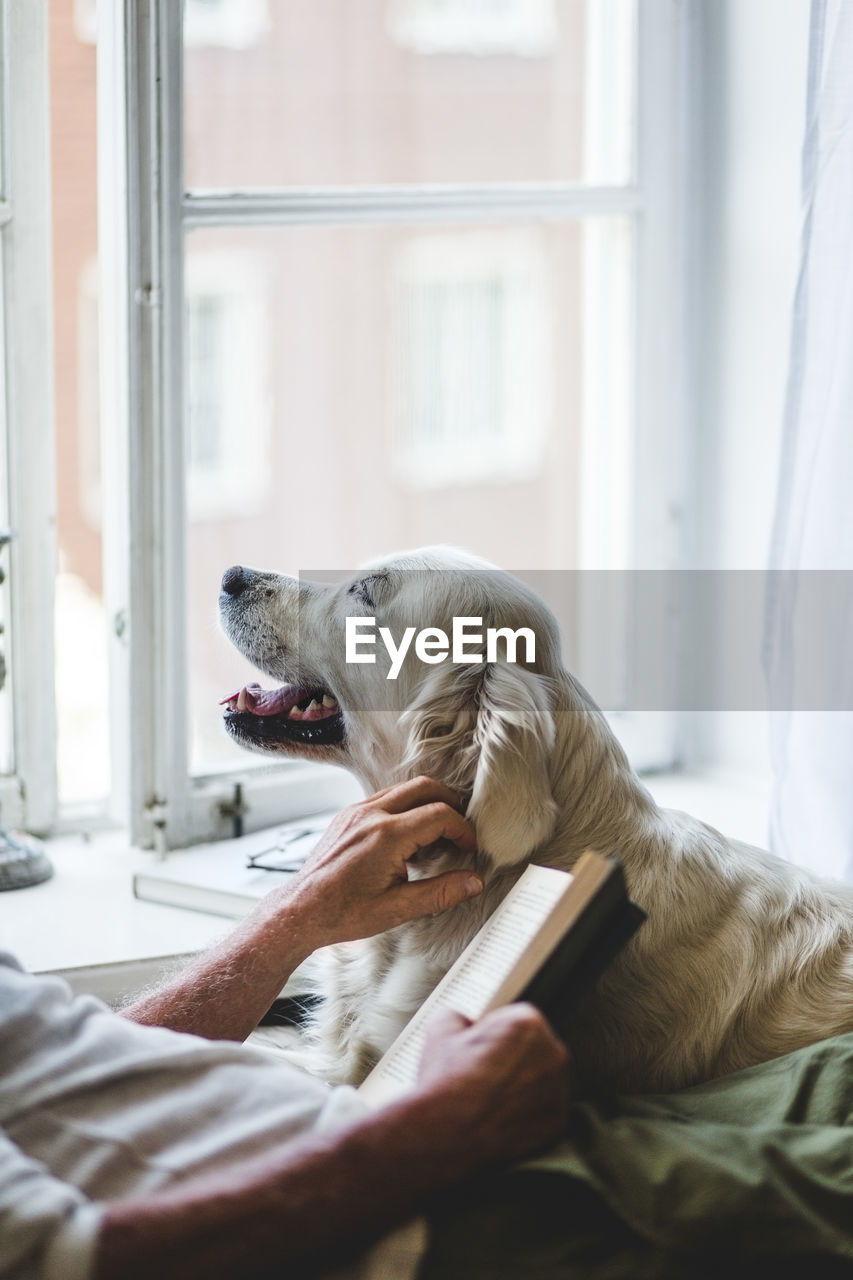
x: 484, y: 728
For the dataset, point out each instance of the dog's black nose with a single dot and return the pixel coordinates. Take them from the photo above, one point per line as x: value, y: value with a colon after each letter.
x: 234, y: 580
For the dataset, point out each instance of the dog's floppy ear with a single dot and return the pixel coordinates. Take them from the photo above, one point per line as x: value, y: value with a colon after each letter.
x: 488, y: 733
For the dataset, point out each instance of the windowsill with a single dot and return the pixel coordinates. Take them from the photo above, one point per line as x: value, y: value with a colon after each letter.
x: 86, y: 924
x: 737, y: 804
x: 86, y: 918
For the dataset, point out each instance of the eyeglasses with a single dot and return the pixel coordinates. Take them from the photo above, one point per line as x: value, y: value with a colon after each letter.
x: 286, y: 854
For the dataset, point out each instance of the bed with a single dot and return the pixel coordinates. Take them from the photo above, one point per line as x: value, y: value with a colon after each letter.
x: 753, y: 1169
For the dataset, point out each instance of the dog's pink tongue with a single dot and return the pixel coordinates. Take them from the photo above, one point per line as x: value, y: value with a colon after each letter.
x: 265, y: 702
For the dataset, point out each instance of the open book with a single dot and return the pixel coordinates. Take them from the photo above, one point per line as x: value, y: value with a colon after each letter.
x: 547, y: 943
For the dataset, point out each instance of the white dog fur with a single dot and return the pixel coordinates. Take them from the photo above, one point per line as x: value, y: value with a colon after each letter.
x: 743, y: 957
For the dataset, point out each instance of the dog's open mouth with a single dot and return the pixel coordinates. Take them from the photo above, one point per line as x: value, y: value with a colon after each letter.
x: 291, y: 713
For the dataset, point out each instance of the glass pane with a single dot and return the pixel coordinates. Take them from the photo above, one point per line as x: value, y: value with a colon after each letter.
x: 356, y: 391
x: 81, y: 649
x: 281, y: 93
x: 6, y: 734
x: 3, y: 109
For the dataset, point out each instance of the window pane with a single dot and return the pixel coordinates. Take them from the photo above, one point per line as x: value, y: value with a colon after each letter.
x: 355, y: 391
x: 82, y: 684
x: 281, y: 93
x: 3, y: 94
x: 6, y: 735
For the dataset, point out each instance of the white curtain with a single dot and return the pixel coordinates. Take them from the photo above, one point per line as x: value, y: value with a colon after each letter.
x: 812, y: 817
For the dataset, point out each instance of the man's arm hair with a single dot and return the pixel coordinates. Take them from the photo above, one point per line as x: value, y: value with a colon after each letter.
x: 223, y: 993
x: 353, y: 885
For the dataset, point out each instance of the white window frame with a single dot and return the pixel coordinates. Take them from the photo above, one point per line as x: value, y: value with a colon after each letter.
x: 28, y: 793
x: 236, y: 279
x: 229, y: 24
x: 144, y: 216
x: 640, y: 505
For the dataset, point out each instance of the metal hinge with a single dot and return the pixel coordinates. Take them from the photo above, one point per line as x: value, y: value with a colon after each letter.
x: 235, y: 809
x: 157, y: 811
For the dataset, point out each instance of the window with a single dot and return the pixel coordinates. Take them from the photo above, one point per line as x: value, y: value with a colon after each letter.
x: 28, y: 784
x: 399, y: 248
x: 519, y: 27
x: 228, y: 421
x: 229, y: 23
x: 232, y: 24
x: 473, y: 361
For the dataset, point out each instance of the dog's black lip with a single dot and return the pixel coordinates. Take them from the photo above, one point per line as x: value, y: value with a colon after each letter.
x: 270, y: 729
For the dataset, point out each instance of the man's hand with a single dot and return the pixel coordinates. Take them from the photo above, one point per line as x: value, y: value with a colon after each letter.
x: 355, y: 882
x: 494, y: 1091
x: 506, y: 1079
x: 353, y: 885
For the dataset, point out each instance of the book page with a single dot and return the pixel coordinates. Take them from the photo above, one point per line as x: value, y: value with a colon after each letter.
x: 480, y: 975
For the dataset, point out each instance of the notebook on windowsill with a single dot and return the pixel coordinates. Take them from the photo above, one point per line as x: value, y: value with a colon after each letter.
x: 229, y: 877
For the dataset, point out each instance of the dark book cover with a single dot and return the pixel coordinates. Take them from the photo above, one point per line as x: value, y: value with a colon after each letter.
x: 572, y: 969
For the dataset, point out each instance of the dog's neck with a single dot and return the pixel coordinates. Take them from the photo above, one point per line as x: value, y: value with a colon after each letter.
x: 598, y: 795
x: 375, y: 760
x: 601, y: 802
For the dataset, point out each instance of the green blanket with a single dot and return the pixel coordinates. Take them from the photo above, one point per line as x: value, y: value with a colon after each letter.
x: 711, y: 1182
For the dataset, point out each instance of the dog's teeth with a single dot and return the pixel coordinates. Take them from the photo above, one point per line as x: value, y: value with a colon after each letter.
x: 329, y: 701
x: 242, y: 702
x: 313, y: 705
x: 294, y: 714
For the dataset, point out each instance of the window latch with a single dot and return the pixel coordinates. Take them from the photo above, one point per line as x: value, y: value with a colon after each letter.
x: 6, y: 536
x: 235, y: 808
x: 158, y: 813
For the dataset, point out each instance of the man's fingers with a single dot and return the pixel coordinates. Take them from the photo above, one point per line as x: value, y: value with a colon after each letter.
x: 444, y: 1020
x: 418, y: 791
x: 438, y: 893
x: 431, y: 822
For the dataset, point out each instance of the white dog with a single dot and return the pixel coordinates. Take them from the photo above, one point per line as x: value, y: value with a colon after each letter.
x: 743, y: 956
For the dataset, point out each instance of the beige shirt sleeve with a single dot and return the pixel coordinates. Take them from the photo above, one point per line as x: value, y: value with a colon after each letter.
x: 48, y: 1229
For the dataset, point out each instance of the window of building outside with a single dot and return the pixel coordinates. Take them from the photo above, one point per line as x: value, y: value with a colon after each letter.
x: 472, y: 363
x: 456, y: 364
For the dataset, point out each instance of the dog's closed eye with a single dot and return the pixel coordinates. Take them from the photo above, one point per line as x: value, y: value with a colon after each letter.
x: 366, y: 588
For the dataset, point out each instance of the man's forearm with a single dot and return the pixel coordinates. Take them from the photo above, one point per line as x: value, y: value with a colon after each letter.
x: 354, y: 885
x: 224, y: 993
x: 494, y: 1090
x: 318, y: 1202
